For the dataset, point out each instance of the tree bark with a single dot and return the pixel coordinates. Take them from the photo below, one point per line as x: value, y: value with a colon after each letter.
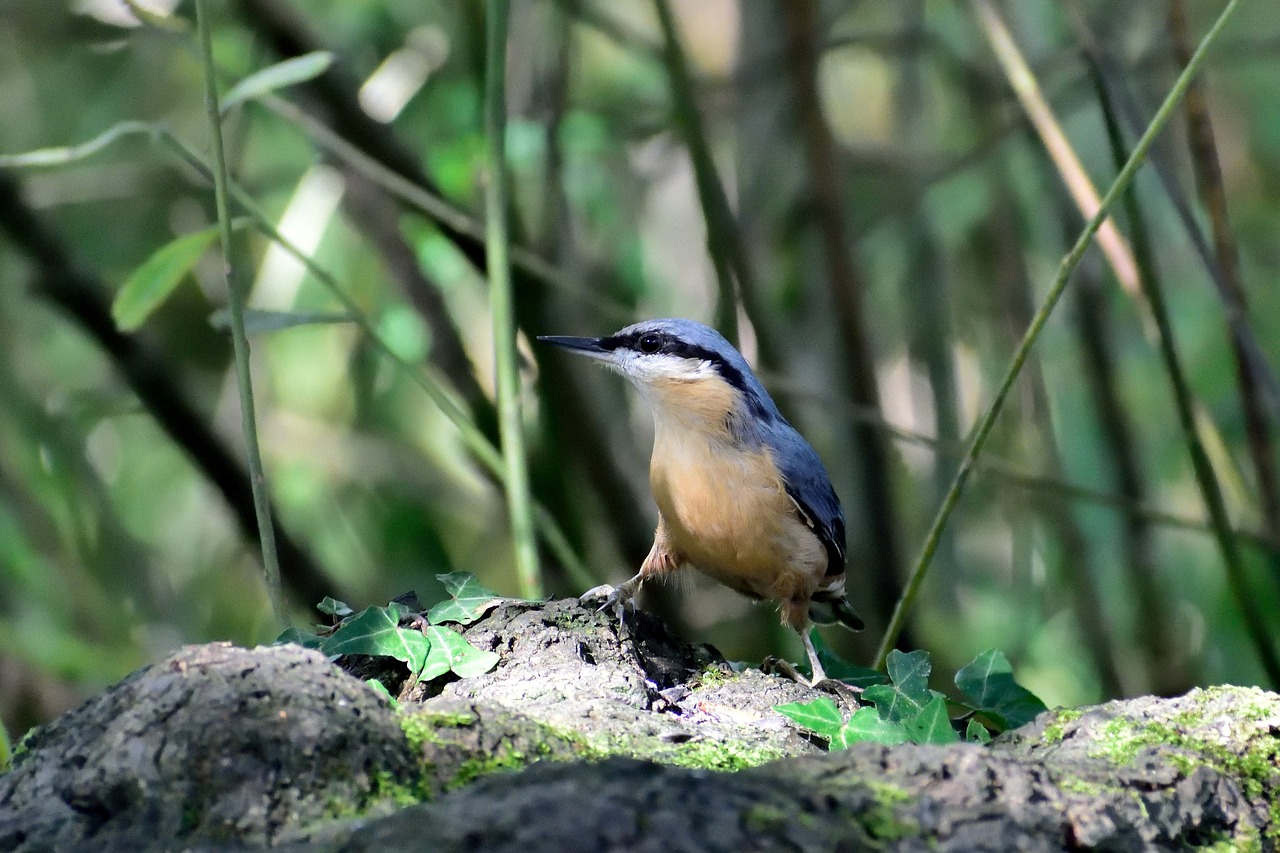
x: 591, y: 735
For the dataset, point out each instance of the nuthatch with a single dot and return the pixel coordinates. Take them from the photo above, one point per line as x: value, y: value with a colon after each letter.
x: 741, y: 495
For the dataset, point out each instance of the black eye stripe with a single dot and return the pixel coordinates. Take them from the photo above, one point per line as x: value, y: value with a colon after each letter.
x: 670, y: 345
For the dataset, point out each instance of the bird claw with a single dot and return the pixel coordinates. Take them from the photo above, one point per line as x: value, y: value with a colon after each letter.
x: 846, y: 692
x: 616, y: 599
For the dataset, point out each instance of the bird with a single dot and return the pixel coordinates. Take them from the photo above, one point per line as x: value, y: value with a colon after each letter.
x: 741, y: 496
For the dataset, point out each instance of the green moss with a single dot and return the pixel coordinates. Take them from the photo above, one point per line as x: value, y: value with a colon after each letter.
x: 881, y: 820
x: 716, y: 755
x: 1120, y: 741
x: 388, y: 788
x: 473, y: 768
x: 713, y: 675
x: 422, y: 727
x: 1082, y: 786
x: 1055, y: 731
x: 766, y: 819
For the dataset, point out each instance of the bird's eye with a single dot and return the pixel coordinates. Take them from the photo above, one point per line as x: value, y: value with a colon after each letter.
x: 650, y: 344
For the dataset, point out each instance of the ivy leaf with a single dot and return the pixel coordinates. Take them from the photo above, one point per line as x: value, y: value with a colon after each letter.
x: 299, y: 69
x: 333, y: 607
x: 154, y: 281
x: 381, y: 689
x: 976, y: 732
x: 467, y: 601
x: 932, y: 725
x: 842, y: 670
x: 299, y: 637
x: 988, y: 683
x: 821, y: 716
x: 867, y: 726
x: 909, y: 692
x: 376, y: 631
x: 910, y: 671
x: 451, y: 651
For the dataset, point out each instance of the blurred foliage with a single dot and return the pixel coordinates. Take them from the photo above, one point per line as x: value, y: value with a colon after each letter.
x: 116, y: 545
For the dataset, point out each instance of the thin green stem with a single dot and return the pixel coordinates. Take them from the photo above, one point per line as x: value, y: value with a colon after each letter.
x: 1184, y: 402
x: 235, y: 305
x: 502, y: 303
x: 1068, y: 265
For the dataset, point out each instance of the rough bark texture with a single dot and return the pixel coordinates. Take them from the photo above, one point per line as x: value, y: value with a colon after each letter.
x: 219, y: 747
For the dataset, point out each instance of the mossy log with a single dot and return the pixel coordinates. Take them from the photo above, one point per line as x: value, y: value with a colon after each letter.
x: 591, y: 735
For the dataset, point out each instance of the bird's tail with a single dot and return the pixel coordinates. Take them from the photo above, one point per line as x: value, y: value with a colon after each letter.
x: 834, y: 609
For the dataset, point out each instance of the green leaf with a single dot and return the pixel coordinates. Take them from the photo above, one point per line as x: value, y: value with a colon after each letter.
x: 867, y: 726
x: 451, y: 651
x: 158, y: 276
x: 467, y: 601
x: 258, y: 322
x: 932, y: 725
x: 988, y: 683
x: 910, y: 671
x: 298, y: 637
x: 333, y: 607
x: 821, y: 716
x: 976, y: 732
x: 376, y: 631
x: 381, y: 689
x: 842, y: 670
x: 299, y: 69
x: 6, y: 748
x: 909, y: 692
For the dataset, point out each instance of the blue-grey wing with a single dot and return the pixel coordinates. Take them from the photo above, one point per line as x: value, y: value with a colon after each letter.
x: 809, y: 487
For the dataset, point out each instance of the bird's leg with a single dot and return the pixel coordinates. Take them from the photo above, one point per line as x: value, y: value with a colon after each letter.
x: 815, y: 665
x: 795, y: 614
x: 662, y: 560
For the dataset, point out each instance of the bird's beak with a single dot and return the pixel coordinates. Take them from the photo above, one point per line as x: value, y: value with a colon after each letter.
x: 590, y: 347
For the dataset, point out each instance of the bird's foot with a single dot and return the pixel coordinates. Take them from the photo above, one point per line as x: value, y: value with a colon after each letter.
x: 616, y: 598
x: 846, y: 693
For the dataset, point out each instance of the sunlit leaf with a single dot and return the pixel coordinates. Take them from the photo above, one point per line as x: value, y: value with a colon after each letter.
x: 376, y: 631
x: 976, y: 732
x: 821, y: 716
x: 451, y: 651
x: 257, y: 322
x: 467, y: 601
x: 867, y: 726
x: 158, y: 276
x: 932, y: 725
x: 300, y: 638
x: 381, y: 689
x: 290, y: 72
x: 988, y: 683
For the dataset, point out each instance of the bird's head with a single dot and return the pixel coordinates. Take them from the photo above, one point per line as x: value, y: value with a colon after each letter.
x: 682, y: 367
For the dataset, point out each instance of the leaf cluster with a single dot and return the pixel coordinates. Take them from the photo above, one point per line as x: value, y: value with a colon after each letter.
x: 902, y: 708
x: 421, y: 640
